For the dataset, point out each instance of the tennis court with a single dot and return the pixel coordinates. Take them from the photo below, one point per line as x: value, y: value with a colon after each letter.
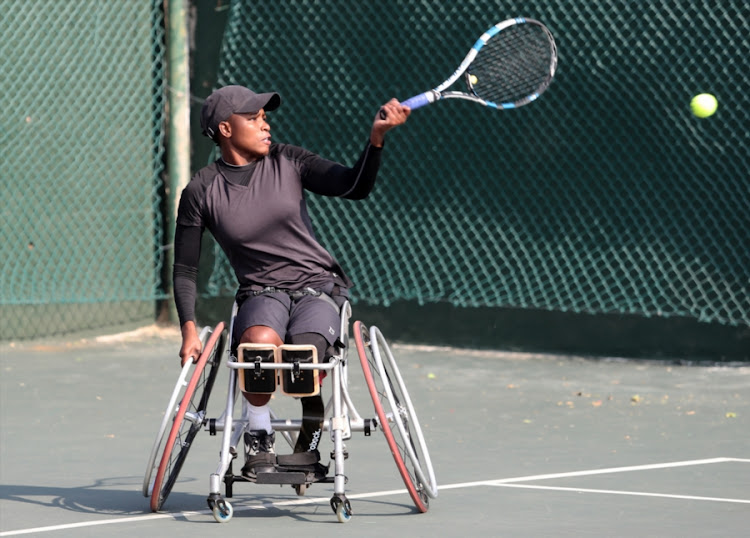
x: 605, y: 218
x: 522, y: 445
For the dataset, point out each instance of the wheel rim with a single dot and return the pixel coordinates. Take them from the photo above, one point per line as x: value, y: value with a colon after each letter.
x: 404, y: 459
x: 413, y: 446
x: 189, y: 418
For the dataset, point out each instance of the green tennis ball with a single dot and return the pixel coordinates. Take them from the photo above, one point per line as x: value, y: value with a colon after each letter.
x: 704, y: 105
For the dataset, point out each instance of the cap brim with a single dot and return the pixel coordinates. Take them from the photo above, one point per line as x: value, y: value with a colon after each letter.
x: 266, y: 101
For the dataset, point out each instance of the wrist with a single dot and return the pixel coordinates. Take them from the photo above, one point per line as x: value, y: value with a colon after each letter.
x: 188, y: 329
x: 377, y: 138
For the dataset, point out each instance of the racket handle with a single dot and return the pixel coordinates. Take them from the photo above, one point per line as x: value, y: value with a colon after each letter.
x: 420, y: 100
x: 417, y: 101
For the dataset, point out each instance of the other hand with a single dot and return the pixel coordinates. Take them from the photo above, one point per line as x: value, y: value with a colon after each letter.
x: 191, y: 343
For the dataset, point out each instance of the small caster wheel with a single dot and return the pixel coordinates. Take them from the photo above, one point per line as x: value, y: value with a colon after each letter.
x: 300, y: 489
x: 223, y: 511
x: 342, y: 508
x: 343, y: 514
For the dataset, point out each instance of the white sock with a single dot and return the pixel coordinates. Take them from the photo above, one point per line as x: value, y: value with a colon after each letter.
x: 259, y: 418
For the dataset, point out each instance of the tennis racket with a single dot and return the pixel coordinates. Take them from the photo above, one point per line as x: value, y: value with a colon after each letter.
x: 509, y: 66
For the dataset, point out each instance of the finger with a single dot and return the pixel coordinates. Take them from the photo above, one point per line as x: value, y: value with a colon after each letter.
x: 388, y: 108
x: 192, y: 358
x: 389, y: 113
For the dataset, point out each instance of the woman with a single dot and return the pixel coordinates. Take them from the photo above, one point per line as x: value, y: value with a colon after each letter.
x: 252, y: 201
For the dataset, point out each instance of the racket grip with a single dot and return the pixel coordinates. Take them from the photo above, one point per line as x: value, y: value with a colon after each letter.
x: 417, y: 101
x: 420, y: 100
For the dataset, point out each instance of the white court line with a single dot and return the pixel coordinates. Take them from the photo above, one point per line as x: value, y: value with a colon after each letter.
x: 620, y: 492
x: 595, y: 472
x: 183, y: 515
x: 496, y: 482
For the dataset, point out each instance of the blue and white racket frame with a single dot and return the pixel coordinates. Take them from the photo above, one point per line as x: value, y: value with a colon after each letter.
x: 439, y: 92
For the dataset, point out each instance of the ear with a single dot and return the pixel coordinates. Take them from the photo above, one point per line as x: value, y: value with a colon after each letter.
x: 225, y: 129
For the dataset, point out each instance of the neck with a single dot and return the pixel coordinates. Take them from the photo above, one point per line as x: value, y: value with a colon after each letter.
x: 237, y: 158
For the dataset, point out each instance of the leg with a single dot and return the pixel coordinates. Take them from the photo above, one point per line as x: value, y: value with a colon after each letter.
x: 261, y: 319
x: 259, y: 334
x: 259, y: 437
x: 315, y: 322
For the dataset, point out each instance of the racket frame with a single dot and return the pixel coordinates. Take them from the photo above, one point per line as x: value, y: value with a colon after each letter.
x: 439, y: 92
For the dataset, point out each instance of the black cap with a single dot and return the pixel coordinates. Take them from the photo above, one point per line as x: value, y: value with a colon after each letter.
x: 229, y: 100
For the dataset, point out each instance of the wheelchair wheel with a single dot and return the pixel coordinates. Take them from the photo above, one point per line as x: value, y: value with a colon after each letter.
x: 168, y: 418
x: 396, y: 414
x: 190, y: 417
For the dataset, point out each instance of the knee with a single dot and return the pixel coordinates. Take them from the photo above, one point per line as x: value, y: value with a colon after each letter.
x: 312, y: 339
x: 260, y: 334
x: 257, y: 399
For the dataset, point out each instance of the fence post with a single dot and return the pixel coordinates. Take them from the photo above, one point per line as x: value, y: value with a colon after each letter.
x: 178, y: 149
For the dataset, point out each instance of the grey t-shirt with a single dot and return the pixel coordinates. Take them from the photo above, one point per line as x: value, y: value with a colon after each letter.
x: 258, y: 215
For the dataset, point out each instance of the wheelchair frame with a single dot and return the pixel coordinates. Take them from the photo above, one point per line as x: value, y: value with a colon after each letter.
x: 395, y: 416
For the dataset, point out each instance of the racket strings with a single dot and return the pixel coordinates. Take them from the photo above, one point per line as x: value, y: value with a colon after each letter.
x: 515, y: 65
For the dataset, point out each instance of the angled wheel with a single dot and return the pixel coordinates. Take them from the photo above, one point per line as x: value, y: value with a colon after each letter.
x: 396, y: 414
x: 190, y: 417
x: 169, y: 414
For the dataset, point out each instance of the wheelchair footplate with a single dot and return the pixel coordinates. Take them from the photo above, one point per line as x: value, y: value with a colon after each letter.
x: 282, y: 477
x: 293, y: 469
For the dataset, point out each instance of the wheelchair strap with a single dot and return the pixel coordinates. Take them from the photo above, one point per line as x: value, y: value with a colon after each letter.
x: 297, y: 294
x: 298, y: 458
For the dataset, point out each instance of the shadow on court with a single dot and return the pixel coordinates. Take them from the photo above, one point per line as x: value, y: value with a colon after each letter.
x: 522, y: 445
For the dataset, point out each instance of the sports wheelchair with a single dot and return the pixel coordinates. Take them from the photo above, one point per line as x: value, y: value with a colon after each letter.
x: 296, y: 370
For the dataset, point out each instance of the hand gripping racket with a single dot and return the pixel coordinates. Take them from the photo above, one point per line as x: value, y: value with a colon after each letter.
x: 509, y: 66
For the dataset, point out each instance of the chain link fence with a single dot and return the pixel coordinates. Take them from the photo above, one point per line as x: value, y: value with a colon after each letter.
x: 82, y: 155
x: 605, y: 196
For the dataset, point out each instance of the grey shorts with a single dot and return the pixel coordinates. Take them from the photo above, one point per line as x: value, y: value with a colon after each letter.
x: 290, y: 316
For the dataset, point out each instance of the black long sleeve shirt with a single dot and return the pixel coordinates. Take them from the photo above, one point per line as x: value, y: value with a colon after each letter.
x: 258, y: 215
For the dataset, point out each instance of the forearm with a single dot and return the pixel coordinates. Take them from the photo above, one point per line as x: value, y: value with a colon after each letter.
x: 332, y: 179
x: 365, y: 173
x: 187, y: 245
x: 185, y: 291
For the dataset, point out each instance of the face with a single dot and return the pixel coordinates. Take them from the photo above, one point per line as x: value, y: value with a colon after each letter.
x: 247, y: 135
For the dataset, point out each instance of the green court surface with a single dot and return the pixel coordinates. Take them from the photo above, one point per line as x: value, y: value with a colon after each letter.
x: 522, y: 445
